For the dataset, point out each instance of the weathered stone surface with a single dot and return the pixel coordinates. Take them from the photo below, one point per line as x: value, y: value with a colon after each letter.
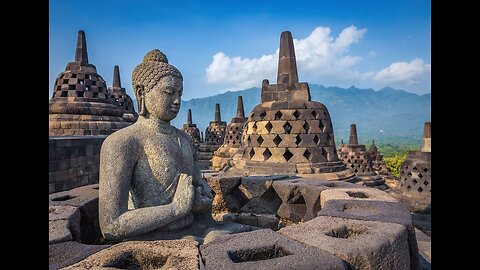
x: 79, y: 91
x: 362, y: 244
x: 288, y: 129
x: 368, y: 194
x: 121, y: 99
x: 73, y: 161
x: 227, y: 195
x: 424, y: 243
x: 150, y: 184
x: 257, y: 220
x: 392, y: 212
x: 75, y: 197
x: 291, y: 211
x: 191, y: 129
x: 58, y: 231
x: 301, y: 196
x: 265, y: 249
x: 167, y: 254
x: 264, y: 200
x: 67, y: 253
x: 64, y: 223
x: 233, y: 139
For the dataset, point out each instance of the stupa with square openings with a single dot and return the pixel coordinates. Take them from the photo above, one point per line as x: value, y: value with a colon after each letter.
x: 191, y: 129
x: 233, y: 138
x: 213, y: 139
x: 81, y: 104
x: 288, y: 132
x: 356, y: 157
x: 121, y: 99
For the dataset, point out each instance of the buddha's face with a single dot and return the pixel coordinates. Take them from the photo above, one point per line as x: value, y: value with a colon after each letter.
x: 163, y: 101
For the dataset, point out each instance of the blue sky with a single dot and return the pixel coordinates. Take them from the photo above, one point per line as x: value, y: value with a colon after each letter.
x: 232, y: 45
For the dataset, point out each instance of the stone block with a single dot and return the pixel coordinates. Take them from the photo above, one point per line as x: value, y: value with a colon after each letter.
x: 67, y: 253
x: 369, y: 194
x: 77, y: 197
x: 227, y: 195
x: 166, y: 254
x: 264, y: 199
x: 362, y: 244
x: 264, y: 249
x: 292, y: 212
x: 391, y: 212
x: 58, y: 231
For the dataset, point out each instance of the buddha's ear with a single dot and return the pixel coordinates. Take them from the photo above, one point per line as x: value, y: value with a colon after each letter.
x: 140, y: 93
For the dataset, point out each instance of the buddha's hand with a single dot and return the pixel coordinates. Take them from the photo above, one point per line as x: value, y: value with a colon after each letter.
x: 183, y: 197
x: 203, y: 199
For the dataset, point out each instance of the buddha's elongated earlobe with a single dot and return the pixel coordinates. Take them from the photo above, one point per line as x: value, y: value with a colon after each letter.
x: 139, y: 92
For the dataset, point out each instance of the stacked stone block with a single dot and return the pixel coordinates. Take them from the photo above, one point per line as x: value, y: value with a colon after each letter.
x: 120, y: 99
x: 73, y: 161
x: 233, y: 139
x: 81, y: 104
x: 191, y: 129
x: 356, y: 157
x: 415, y: 176
x: 287, y: 132
x: 214, y: 137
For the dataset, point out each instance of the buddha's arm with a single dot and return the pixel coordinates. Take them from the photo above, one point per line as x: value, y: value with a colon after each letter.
x: 116, y: 221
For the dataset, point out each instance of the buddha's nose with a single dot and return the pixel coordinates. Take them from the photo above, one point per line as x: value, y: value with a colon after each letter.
x: 176, y: 102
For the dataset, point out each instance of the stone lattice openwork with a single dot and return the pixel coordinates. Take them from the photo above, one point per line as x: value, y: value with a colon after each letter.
x: 120, y: 99
x: 214, y: 137
x: 356, y: 157
x: 233, y: 138
x: 81, y: 104
x: 191, y: 129
x: 287, y: 132
x: 215, y: 132
x: 415, y: 173
x: 378, y: 164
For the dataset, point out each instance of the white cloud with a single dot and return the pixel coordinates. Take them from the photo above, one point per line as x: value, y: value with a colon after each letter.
x: 321, y: 58
x: 404, y: 72
x: 319, y: 53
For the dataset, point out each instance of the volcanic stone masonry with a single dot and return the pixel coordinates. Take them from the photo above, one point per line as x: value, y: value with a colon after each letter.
x: 343, y: 225
x: 81, y: 104
x: 214, y: 136
x: 191, y: 129
x: 415, y: 174
x: 356, y: 157
x: 287, y: 137
x: 378, y: 164
x: 287, y: 132
x: 120, y: 99
x: 233, y: 138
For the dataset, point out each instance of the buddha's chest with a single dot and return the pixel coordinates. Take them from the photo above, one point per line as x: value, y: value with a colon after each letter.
x: 164, y: 157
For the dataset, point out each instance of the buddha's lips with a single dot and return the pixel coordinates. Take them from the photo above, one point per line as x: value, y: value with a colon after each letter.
x: 175, y: 109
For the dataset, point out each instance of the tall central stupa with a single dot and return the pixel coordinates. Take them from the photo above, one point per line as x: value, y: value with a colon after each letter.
x: 287, y: 132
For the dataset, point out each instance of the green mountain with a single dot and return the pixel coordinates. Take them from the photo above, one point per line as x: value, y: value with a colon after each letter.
x: 388, y: 115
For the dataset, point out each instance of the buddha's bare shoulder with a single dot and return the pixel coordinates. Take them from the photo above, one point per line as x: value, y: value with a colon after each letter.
x: 127, y: 138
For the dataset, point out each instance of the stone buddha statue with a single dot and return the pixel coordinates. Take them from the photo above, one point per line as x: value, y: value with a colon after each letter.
x: 150, y: 187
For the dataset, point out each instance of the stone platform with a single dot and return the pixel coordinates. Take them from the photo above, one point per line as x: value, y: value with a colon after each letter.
x: 356, y: 228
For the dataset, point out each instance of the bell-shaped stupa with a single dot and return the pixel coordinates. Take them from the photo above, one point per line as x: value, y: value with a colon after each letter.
x: 81, y: 104
x: 214, y: 136
x: 120, y: 99
x: 356, y: 157
x: 287, y: 132
x: 191, y: 129
x: 378, y: 164
x: 415, y: 173
x: 233, y: 138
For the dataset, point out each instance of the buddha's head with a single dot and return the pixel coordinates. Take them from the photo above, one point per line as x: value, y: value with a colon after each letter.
x: 158, y: 87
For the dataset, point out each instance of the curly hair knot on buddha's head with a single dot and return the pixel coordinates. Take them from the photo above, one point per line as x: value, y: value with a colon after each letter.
x: 154, y: 67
